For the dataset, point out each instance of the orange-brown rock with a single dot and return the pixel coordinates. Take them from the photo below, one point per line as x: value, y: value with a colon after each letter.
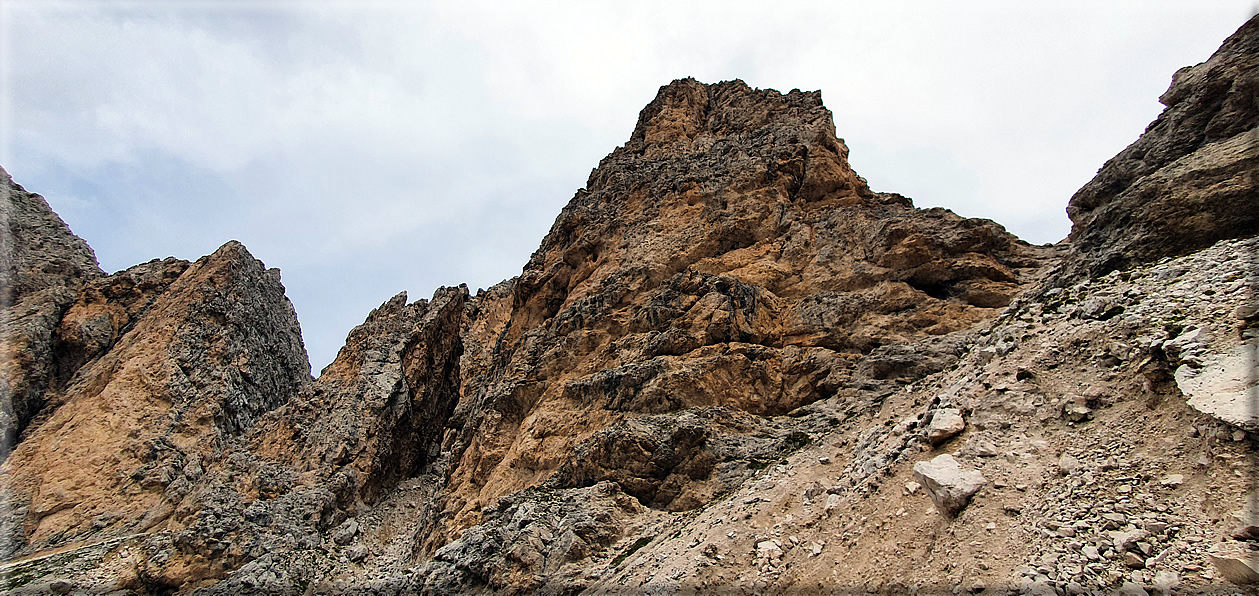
x: 727, y: 256
x: 169, y: 360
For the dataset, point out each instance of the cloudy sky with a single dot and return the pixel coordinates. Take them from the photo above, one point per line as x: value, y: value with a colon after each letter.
x: 366, y: 148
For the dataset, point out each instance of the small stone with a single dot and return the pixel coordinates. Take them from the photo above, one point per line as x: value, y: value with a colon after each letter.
x: 1068, y: 465
x: 912, y: 488
x: 977, y: 587
x: 945, y: 424
x: 1239, y: 435
x: 1166, y: 581
x: 832, y: 502
x: 345, y: 533
x: 357, y: 553
x: 1133, y: 560
x: 986, y: 449
x: 769, y: 550
x: 1091, y: 553
x: 61, y: 586
x: 1074, y: 409
x: 1131, y: 589
x: 1173, y: 480
x: 823, y: 460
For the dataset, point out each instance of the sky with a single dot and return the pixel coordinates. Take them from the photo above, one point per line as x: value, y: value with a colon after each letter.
x: 366, y: 148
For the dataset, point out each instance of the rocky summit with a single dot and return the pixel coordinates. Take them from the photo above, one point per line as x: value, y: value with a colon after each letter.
x: 730, y: 367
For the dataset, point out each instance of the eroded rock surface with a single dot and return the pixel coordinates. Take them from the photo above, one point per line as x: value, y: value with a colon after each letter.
x: 42, y: 265
x: 726, y: 257
x: 172, y: 360
x: 730, y: 366
x: 1189, y: 181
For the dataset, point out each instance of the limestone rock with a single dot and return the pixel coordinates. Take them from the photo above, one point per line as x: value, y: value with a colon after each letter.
x: 42, y: 265
x: 945, y: 424
x: 726, y: 257
x: 190, y: 362
x: 1226, y: 388
x: 950, y: 486
x: 534, y: 541
x: 1189, y: 180
x: 650, y: 407
x: 1236, y: 563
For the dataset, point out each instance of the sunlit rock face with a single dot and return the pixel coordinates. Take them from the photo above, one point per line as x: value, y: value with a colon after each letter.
x: 727, y: 256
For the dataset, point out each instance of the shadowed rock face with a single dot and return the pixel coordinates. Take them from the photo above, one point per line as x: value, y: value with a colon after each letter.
x: 1190, y: 180
x: 42, y: 264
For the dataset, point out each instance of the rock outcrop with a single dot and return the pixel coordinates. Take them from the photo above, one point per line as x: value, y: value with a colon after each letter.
x: 730, y: 364
x: 170, y: 360
x: 727, y: 256
x: 1190, y: 180
x: 42, y: 265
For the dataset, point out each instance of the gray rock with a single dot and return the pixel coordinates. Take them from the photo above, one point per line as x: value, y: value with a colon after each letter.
x: 42, y: 266
x: 345, y: 533
x: 1225, y: 388
x: 949, y: 486
x: 1131, y: 589
x: 1196, y: 158
x: 1068, y: 464
x: 357, y: 553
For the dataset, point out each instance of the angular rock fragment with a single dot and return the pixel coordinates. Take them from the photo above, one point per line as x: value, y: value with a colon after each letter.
x: 945, y: 424
x: 950, y: 486
x: 1236, y: 563
x: 1226, y: 388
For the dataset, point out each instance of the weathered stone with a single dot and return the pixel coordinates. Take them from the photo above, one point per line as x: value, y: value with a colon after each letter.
x: 1237, y: 564
x: 42, y: 265
x: 950, y: 487
x: 1188, y: 181
x: 945, y: 424
x: 1226, y: 388
x: 345, y: 533
x: 194, y: 355
x: 1068, y: 464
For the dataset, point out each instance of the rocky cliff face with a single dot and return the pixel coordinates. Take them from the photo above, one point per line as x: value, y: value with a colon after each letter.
x: 1190, y: 180
x: 729, y: 365
x: 160, y: 365
x: 41, y: 266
